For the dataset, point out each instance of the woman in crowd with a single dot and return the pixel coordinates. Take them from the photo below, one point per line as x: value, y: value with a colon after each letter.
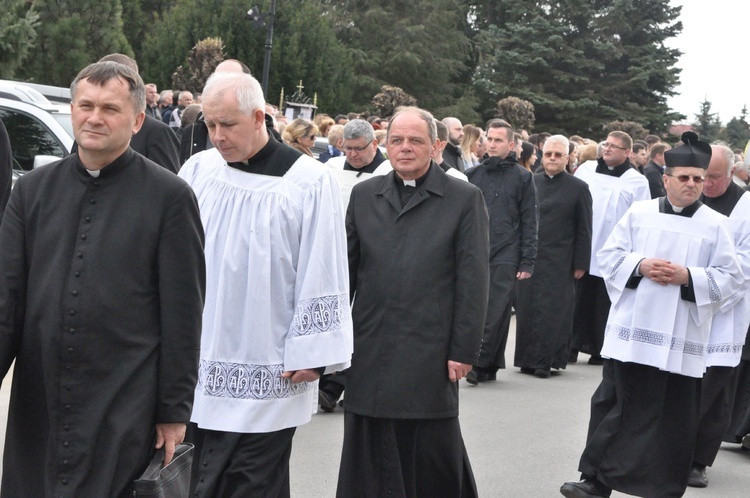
x: 469, y: 146
x: 300, y: 135
x: 527, y: 157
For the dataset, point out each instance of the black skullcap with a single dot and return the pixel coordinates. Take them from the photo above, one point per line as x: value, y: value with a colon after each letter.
x: 693, y: 153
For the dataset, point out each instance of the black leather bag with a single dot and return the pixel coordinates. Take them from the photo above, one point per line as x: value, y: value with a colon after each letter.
x: 172, y: 481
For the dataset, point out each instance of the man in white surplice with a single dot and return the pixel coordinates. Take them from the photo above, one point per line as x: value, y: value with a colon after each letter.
x: 614, y: 185
x: 729, y: 327
x: 669, y: 265
x: 277, y: 295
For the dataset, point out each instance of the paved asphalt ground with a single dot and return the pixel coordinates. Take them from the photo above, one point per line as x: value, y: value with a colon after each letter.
x: 524, y: 436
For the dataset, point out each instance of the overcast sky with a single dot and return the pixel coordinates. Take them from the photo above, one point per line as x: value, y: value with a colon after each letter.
x: 713, y: 42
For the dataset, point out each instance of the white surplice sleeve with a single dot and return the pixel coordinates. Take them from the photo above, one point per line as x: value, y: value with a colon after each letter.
x: 716, y: 284
x: 321, y: 331
x: 617, y: 259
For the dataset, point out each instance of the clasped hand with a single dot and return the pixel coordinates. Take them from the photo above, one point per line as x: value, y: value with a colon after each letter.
x: 664, y: 272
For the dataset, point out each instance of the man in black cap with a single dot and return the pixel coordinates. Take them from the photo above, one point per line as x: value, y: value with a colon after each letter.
x: 668, y: 265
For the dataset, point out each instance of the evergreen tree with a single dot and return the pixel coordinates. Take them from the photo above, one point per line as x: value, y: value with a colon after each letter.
x: 737, y: 132
x: 71, y: 35
x: 707, y: 124
x: 18, y: 23
x: 305, y: 46
x: 581, y: 63
x: 420, y: 46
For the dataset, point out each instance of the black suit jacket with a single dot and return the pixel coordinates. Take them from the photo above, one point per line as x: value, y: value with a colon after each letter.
x: 653, y: 173
x: 157, y: 141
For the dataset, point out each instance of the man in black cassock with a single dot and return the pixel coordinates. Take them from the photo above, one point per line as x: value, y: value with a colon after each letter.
x: 669, y: 265
x: 544, y: 303
x: 101, y: 296
x: 418, y: 266
x: 723, y: 375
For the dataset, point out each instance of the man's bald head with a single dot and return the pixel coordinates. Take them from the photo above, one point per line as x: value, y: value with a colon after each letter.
x: 455, y: 130
x: 232, y: 66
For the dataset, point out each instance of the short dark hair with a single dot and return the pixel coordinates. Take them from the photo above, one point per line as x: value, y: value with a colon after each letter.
x: 623, y: 137
x: 637, y: 147
x: 658, y: 148
x: 652, y: 139
x: 501, y: 123
x: 100, y: 73
x: 442, y: 131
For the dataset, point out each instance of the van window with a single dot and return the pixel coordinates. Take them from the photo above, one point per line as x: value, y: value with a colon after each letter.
x: 29, y: 137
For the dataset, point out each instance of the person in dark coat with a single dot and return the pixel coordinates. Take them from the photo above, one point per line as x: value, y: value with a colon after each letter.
x: 510, y: 195
x: 155, y: 140
x: 544, y: 303
x: 101, y: 297
x: 418, y: 266
x: 654, y: 170
x: 452, y: 156
x: 6, y: 167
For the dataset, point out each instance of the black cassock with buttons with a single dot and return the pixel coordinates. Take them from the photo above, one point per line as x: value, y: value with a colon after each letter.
x: 101, y: 292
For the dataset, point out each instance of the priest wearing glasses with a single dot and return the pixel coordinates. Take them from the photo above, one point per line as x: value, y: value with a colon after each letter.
x: 669, y: 265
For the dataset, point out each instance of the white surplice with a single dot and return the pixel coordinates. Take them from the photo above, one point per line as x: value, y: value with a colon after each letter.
x: 652, y: 324
x: 277, y: 292
x: 347, y: 179
x: 730, y: 324
x: 611, y: 197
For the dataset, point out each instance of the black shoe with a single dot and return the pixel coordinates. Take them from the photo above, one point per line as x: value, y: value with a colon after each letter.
x: 596, y: 360
x: 697, y: 478
x: 542, y: 373
x: 327, y: 401
x: 573, y: 356
x: 746, y: 443
x: 471, y: 377
x: 526, y: 370
x: 480, y: 374
x: 583, y: 489
x: 486, y: 374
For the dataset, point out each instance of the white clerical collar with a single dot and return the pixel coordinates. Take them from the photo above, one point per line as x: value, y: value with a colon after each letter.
x: 677, y: 209
x: 410, y: 183
x: 94, y: 172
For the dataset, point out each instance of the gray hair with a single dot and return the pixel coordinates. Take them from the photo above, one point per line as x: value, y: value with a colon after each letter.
x: 246, y: 88
x: 740, y: 166
x: 726, y: 154
x: 359, y: 128
x: 99, y: 73
x: 423, y: 115
x: 559, y: 139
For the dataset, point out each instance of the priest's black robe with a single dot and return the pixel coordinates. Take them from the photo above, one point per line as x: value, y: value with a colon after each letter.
x: 101, y: 294
x: 544, y: 302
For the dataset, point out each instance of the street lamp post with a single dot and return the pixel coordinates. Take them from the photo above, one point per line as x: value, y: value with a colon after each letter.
x: 260, y: 20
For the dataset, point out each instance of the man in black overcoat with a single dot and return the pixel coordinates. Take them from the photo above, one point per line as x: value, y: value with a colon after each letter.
x: 101, y: 296
x: 419, y: 273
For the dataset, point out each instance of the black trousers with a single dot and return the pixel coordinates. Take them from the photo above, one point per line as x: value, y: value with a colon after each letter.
x: 642, y: 430
x: 404, y: 459
x: 590, y: 315
x: 717, y: 396
x: 233, y: 465
x: 497, y: 323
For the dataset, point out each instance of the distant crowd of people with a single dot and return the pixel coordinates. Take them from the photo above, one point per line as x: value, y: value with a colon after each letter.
x: 204, y: 269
